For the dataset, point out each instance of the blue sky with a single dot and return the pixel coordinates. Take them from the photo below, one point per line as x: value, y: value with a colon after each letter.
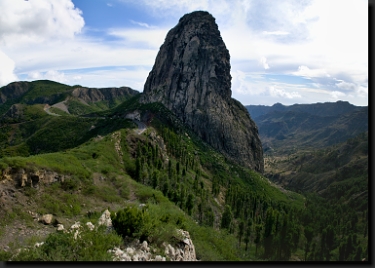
x: 288, y: 51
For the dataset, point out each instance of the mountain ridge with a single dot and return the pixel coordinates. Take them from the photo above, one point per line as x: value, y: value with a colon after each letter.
x: 319, y: 108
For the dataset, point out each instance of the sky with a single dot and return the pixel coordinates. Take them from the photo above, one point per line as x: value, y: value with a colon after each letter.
x: 286, y: 51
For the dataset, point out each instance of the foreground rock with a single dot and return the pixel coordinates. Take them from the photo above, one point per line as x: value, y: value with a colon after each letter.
x: 105, y: 219
x: 47, y: 219
x: 191, y: 77
x: 184, y: 250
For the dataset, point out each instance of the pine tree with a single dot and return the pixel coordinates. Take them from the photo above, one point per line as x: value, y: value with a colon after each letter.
x: 248, y: 233
x: 258, y: 230
x: 241, y: 230
x: 309, y: 236
x: 268, y: 233
x: 190, y: 203
x: 226, y: 219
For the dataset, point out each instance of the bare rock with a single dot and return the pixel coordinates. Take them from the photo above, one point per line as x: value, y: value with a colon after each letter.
x: 105, y: 219
x: 60, y: 227
x: 191, y: 77
x: 76, y: 225
x: 47, y: 219
x: 90, y: 226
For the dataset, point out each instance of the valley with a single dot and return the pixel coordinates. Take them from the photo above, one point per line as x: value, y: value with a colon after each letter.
x: 181, y: 171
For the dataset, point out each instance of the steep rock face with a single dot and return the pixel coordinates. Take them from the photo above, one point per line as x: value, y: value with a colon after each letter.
x: 100, y: 94
x: 13, y: 91
x: 191, y: 77
x: 30, y: 177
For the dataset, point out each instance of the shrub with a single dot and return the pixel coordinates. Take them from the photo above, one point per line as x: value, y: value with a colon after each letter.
x: 70, y: 184
x: 129, y: 222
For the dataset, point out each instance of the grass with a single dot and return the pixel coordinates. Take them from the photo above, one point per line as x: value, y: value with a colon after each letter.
x: 58, y: 111
x: 44, y: 89
x: 75, y: 107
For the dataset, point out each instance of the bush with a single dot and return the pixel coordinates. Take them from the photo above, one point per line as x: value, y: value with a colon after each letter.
x: 130, y: 221
x: 70, y: 184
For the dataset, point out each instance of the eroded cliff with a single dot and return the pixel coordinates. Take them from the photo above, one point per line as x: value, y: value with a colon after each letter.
x: 191, y: 77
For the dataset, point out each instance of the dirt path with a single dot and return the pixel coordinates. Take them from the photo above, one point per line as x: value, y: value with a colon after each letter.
x: 46, y: 109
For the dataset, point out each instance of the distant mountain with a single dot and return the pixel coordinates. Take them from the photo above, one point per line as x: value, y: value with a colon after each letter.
x: 73, y: 99
x: 321, y: 109
x: 286, y: 128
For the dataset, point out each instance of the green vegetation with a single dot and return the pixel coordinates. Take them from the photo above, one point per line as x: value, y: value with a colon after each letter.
x: 76, y: 107
x: 90, y: 246
x: 58, y: 111
x: 46, y: 90
x: 167, y: 179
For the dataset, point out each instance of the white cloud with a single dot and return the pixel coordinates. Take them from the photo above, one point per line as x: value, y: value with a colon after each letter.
x: 337, y: 95
x: 6, y: 70
x: 264, y: 63
x: 49, y: 75
x: 345, y: 85
x: 37, y: 21
x: 146, y: 38
x: 279, y: 92
x: 275, y: 33
x: 306, y: 72
x: 143, y: 24
x: 362, y: 91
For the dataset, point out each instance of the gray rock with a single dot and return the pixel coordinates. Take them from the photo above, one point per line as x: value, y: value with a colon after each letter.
x: 191, y: 77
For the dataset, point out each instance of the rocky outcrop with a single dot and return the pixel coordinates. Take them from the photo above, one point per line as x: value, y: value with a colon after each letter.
x: 191, y: 77
x: 15, y: 111
x: 47, y: 219
x: 184, y: 250
x: 13, y: 91
x: 30, y: 177
x: 100, y: 94
x: 105, y: 219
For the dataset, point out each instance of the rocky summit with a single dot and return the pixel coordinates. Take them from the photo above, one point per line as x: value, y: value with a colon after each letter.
x: 191, y: 77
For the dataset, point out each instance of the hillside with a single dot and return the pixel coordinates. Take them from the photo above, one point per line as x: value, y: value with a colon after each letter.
x: 167, y: 162
x: 338, y: 173
x: 283, y: 129
x: 69, y: 99
x: 320, y: 109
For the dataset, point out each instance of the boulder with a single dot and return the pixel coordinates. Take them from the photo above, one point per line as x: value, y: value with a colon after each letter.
x: 60, y: 227
x: 105, y: 219
x: 90, y: 226
x: 47, y: 219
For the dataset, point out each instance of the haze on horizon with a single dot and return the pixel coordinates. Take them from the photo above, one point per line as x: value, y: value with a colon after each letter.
x: 288, y: 51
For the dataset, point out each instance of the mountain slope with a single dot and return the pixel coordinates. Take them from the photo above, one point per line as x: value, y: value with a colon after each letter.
x: 320, y: 109
x: 78, y: 100
x: 284, y: 131
x: 167, y: 167
x: 338, y: 173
